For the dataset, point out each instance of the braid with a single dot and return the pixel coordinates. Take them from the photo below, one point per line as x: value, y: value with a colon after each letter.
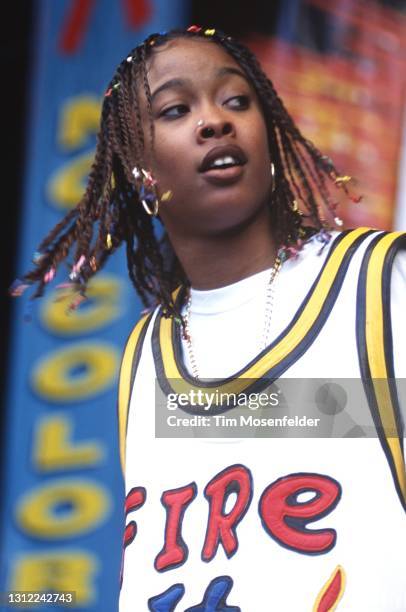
x: 110, y: 212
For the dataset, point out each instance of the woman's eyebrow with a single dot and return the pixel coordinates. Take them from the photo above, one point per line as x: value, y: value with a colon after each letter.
x: 226, y: 70
x: 178, y: 82
x: 172, y: 83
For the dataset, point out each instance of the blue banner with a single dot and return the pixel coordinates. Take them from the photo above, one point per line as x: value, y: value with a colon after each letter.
x: 63, y: 517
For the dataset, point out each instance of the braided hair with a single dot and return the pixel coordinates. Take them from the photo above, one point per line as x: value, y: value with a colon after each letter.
x: 110, y: 211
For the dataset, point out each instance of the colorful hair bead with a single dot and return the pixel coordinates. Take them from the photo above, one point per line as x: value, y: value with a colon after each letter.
x: 93, y: 263
x: 295, y: 207
x: 356, y: 199
x: 342, y: 180
x: 76, y: 267
x: 17, y: 288
x: 194, y: 28
x: 149, y: 179
x: 80, y: 262
x: 109, y: 242
x: 49, y: 275
x: 209, y: 32
x: 166, y: 196
x: 293, y: 252
x: 282, y: 254
x: 37, y: 257
x: 324, y: 237
x: 64, y: 289
x: 327, y: 161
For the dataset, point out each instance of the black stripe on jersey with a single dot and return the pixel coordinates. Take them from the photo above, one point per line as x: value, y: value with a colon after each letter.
x: 383, y: 405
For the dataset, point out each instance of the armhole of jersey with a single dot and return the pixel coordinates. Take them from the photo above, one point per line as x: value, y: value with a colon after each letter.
x: 129, y: 364
x: 375, y: 350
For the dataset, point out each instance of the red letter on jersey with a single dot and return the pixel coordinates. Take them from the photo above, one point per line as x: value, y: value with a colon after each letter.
x: 222, y: 527
x: 175, y: 551
x: 285, y: 518
x: 134, y: 500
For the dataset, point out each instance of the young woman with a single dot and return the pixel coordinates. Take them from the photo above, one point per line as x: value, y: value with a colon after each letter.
x: 252, y: 286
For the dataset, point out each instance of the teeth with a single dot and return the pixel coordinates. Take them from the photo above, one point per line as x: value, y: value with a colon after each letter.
x: 223, y: 161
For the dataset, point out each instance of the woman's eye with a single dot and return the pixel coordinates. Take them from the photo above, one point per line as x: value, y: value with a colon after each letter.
x: 173, y: 112
x: 238, y: 102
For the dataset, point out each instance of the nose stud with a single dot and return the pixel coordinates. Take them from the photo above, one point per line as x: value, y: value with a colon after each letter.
x: 200, y: 123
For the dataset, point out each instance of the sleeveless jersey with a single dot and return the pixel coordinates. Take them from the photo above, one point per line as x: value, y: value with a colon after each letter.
x: 256, y: 524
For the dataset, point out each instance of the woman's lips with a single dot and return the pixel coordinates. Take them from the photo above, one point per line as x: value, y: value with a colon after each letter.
x: 223, y: 176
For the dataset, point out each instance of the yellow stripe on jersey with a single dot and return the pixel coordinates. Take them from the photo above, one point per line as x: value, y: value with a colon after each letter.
x: 272, y: 356
x: 376, y: 340
x: 130, y: 356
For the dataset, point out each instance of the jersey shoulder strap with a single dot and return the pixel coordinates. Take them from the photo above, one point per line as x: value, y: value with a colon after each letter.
x: 128, y: 369
x: 375, y: 349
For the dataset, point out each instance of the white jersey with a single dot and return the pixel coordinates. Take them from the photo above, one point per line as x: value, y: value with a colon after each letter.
x: 286, y: 523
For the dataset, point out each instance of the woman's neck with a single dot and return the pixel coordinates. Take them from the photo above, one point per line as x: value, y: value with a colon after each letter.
x: 216, y: 261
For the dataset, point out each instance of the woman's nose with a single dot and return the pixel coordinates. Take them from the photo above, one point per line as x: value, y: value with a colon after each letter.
x: 213, y: 128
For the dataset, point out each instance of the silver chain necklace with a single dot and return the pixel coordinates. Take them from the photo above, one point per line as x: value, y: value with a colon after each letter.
x: 269, y: 301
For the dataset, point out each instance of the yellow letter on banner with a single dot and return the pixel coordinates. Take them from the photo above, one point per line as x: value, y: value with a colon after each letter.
x: 54, y: 449
x: 66, y: 187
x: 63, y: 509
x: 104, y: 295
x: 56, y: 572
x: 95, y: 365
x: 80, y: 118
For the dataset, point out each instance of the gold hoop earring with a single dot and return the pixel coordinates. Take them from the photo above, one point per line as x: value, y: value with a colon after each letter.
x: 273, y: 176
x: 155, y: 209
x: 146, y: 186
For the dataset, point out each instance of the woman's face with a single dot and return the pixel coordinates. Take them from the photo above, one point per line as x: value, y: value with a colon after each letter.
x: 211, y: 147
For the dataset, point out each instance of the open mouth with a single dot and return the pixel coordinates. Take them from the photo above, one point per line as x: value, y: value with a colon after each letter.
x: 222, y: 159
